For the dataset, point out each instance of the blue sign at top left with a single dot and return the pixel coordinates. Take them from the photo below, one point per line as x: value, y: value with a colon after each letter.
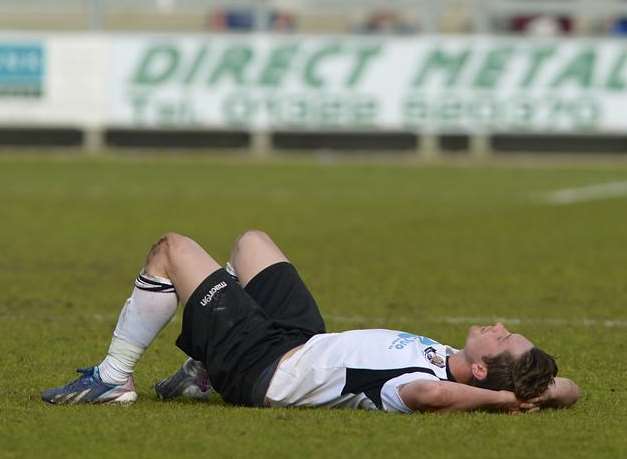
x: 22, y: 70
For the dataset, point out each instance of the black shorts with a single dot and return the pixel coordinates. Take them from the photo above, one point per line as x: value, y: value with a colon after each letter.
x: 239, y: 332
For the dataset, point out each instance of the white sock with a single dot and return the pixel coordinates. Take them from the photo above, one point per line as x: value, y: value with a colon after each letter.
x: 231, y: 270
x: 150, y: 307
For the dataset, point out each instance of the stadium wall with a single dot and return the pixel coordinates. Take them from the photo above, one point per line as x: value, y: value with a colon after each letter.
x: 273, y: 90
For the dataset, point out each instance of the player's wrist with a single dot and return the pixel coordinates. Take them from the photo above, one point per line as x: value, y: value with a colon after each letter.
x: 507, y: 401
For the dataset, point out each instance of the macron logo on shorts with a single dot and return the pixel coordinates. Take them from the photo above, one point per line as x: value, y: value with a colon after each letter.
x: 209, y: 296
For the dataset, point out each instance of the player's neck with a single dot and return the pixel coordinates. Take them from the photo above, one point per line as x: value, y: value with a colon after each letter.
x: 460, y: 367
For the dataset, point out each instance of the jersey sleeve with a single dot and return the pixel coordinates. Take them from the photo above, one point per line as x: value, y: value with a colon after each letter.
x: 390, y: 397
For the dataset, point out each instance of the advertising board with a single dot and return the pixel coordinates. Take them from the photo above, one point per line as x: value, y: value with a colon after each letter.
x: 436, y: 84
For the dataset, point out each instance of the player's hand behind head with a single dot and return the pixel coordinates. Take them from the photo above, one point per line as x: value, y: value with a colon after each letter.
x: 509, y: 403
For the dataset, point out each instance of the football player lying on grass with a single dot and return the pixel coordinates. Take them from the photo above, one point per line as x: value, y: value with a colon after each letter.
x: 254, y: 334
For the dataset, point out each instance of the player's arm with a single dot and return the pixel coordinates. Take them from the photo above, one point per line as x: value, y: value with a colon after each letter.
x: 445, y: 396
x: 561, y: 393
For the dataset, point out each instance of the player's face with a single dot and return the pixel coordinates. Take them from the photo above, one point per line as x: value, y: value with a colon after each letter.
x: 491, y: 340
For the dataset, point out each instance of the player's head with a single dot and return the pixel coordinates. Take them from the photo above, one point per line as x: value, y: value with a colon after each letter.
x: 501, y: 360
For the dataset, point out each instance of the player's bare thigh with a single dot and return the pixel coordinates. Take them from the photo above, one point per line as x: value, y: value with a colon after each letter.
x: 252, y: 253
x: 183, y: 261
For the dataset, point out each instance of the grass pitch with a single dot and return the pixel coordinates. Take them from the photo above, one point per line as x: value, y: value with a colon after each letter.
x: 427, y: 249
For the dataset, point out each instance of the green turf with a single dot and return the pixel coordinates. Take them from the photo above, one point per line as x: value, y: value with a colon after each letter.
x: 415, y: 247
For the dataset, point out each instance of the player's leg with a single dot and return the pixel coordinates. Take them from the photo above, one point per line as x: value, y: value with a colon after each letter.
x: 274, y: 284
x: 175, y: 266
x: 186, y: 264
x: 253, y: 252
x: 268, y: 276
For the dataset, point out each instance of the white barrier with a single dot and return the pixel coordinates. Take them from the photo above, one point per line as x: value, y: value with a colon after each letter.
x: 428, y: 84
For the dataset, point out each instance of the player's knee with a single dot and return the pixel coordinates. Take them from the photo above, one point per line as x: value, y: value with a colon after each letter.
x: 175, y: 243
x: 251, y: 239
x: 165, y: 248
x: 164, y: 253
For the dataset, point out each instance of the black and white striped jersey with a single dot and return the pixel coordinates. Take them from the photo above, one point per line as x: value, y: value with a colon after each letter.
x: 358, y: 369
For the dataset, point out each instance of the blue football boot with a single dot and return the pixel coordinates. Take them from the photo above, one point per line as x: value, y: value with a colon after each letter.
x: 89, y: 388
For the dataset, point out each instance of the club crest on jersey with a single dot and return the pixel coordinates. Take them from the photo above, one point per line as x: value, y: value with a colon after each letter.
x: 434, y: 358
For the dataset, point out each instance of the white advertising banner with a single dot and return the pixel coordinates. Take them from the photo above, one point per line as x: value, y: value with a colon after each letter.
x: 292, y: 82
x: 437, y: 84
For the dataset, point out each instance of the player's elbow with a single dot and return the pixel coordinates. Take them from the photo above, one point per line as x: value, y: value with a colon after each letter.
x: 567, y: 395
x: 576, y: 393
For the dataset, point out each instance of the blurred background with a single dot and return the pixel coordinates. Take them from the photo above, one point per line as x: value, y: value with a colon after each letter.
x: 434, y: 77
x: 528, y: 17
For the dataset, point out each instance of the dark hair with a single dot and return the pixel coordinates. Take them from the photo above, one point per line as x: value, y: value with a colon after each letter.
x: 527, y: 377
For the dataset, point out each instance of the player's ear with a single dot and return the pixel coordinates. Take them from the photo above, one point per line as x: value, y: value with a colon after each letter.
x: 479, y: 371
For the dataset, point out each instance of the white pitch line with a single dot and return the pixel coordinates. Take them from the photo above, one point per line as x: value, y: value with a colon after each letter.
x: 587, y: 193
x: 457, y: 320
x: 552, y: 321
x: 371, y: 321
